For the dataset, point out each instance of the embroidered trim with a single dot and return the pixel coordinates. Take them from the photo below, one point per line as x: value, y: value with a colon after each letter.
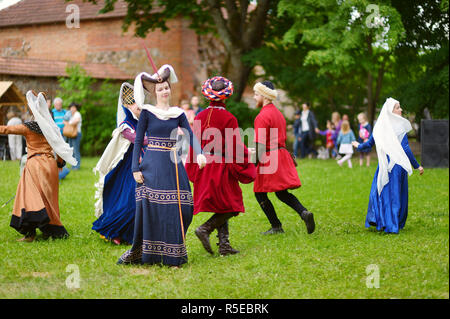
x: 162, y: 248
x: 163, y: 196
x: 158, y: 143
x: 33, y: 126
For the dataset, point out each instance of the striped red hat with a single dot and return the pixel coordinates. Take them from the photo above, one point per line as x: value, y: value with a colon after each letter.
x: 219, y: 95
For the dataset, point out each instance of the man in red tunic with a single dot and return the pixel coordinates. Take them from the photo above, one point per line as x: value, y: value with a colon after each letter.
x: 216, y: 186
x: 276, y: 170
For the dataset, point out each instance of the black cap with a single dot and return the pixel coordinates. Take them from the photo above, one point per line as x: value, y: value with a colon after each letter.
x: 268, y: 84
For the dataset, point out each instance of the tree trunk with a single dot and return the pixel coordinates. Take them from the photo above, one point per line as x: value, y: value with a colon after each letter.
x: 370, y: 100
x: 238, y: 73
x: 379, y: 83
x: 239, y: 36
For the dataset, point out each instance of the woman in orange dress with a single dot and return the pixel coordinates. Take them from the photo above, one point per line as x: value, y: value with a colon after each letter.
x: 36, y: 203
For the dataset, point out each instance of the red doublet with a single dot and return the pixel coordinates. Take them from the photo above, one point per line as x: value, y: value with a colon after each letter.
x: 216, y: 186
x: 276, y: 170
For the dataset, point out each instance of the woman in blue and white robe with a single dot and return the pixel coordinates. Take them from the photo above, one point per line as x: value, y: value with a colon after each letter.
x: 116, y: 206
x: 388, y: 199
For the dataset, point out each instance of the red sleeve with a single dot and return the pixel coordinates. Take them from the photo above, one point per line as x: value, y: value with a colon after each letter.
x: 131, y: 136
x: 261, y: 127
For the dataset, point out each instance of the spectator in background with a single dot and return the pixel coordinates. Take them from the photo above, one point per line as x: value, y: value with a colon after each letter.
x: 307, y: 131
x: 14, y: 141
x: 328, y: 133
x: 188, y: 111
x: 296, y: 126
x: 58, y: 113
x: 190, y: 115
x: 49, y: 105
x: 365, y: 130
x: 195, y: 105
x: 345, y: 117
x: 75, y: 119
x: 337, y: 122
x: 345, y: 139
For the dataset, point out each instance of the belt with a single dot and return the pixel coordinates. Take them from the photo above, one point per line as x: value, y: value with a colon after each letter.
x: 277, y: 148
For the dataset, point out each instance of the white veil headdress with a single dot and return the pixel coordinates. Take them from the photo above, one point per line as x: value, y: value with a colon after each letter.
x: 116, y: 148
x: 388, y: 133
x: 50, y: 130
x: 139, y: 95
x: 124, y: 91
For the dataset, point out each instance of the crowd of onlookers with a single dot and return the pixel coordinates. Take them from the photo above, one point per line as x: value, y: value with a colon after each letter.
x: 68, y: 120
x: 338, y: 133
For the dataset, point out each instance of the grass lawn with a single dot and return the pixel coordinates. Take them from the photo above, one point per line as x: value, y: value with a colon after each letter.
x: 333, y: 262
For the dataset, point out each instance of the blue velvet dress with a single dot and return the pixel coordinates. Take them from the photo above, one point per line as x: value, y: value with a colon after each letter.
x: 164, y: 203
x: 119, y: 204
x: 389, y: 210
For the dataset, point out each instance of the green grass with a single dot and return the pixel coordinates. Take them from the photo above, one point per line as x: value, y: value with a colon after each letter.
x: 330, y: 263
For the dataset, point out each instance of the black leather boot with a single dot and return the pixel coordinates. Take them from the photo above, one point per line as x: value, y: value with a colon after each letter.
x: 308, y: 218
x: 274, y: 230
x: 224, y: 244
x: 208, y: 227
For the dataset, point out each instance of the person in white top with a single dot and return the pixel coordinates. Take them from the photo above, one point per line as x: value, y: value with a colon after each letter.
x: 14, y: 141
x: 75, y: 119
x: 307, y: 131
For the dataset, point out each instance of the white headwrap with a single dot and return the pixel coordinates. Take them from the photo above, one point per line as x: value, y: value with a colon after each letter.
x: 51, y: 131
x: 139, y: 96
x: 388, y: 133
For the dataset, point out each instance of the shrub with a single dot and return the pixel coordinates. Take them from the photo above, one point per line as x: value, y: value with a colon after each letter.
x: 98, y: 107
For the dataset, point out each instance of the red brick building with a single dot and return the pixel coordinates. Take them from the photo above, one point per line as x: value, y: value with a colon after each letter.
x: 37, y: 43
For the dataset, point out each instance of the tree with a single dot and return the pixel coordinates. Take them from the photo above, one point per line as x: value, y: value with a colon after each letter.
x: 98, y: 107
x: 429, y: 87
x: 352, y: 37
x: 240, y: 25
x: 422, y: 67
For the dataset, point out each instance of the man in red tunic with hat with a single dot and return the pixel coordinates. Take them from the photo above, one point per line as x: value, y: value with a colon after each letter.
x: 216, y: 186
x: 276, y: 170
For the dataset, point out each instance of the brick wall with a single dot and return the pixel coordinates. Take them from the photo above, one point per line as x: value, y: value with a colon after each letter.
x: 104, y: 41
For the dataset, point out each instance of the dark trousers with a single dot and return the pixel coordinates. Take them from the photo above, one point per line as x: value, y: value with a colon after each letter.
x: 269, y: 210
x: 306, y: 145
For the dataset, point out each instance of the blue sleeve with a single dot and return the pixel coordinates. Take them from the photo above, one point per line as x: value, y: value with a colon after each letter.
x: 352, y: 136
x: 334, y: 135
x: 140, y: 133
x: 368, y: 127
x: 192, y: 138
x: 296, y: 126
x: 367, y: 146
x: 339, y: 138
x: 407, y: 149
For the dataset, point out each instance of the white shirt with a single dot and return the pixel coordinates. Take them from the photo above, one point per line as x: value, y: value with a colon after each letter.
x: 14, y: 121
x: 304, y: 118
x: 74, y: 118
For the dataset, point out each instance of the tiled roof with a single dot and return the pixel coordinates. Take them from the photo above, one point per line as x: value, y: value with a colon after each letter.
x: 28, y: 12
x: 51, y: 68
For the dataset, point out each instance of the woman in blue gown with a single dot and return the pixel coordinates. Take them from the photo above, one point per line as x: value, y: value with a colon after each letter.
x: 388, y: 199
x: 116, y: 205
x: 164, y: 203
